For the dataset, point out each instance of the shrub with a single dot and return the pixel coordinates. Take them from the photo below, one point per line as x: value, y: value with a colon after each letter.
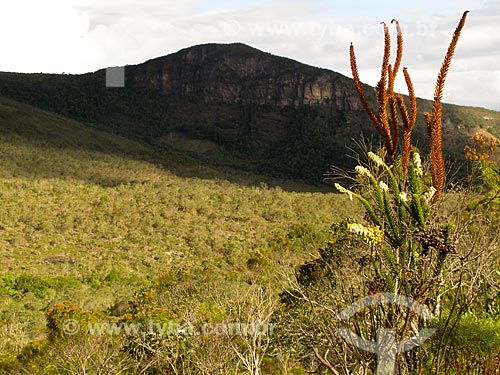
x: 66, y: 318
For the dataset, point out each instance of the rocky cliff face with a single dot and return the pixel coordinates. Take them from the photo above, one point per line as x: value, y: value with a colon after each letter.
x: 243, y: 75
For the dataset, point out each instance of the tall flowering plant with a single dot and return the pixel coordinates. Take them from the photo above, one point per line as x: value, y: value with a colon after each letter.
x: 400, y: 196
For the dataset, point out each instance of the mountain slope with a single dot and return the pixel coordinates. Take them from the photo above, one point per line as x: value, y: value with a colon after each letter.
x: 236, y: 106
x: 37, y: 144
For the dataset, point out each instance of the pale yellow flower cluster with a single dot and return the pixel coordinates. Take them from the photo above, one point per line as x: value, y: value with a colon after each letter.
x: 383, y: 186
x: 417, y: 162
x: 342, y: 189
x: 376, y: 159
x: 373, y: 235
x: 362, y: 171
x: 429, y: 194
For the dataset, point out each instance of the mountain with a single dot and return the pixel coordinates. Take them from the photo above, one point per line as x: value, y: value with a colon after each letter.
x: 236, y: 106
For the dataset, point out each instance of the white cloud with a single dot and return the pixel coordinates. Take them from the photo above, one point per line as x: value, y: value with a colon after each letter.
x: 473, y: 75
x: 40, y: 36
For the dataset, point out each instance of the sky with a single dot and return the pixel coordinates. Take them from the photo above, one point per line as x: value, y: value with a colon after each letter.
x: 79, y: 36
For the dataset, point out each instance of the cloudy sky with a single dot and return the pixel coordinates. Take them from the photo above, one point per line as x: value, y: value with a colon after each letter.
x: 77, y: 36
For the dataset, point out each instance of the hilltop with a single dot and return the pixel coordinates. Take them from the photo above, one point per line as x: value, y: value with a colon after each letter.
x: 234, y: 106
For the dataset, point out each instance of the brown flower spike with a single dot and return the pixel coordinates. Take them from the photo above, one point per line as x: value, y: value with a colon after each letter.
x: 386, y: 122
x: 434, y: 120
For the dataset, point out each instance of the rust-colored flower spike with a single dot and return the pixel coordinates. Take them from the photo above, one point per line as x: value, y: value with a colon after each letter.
x: 383, y: 94
x: 392, y: 78
x: 384, y: 132
x: 386, y: 96
x: 385, y: 125
x: 408, y: 120
x: 434, y: 121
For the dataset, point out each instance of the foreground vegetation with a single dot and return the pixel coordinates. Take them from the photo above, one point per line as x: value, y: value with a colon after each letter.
x: 98, y: 228
x: 114, y: 238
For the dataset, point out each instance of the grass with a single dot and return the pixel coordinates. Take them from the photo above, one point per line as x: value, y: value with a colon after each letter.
x: 91, y: 217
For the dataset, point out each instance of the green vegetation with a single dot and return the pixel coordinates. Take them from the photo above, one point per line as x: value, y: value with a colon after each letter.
x: 409, y: 244
x: 87, y: 218
x: 125, y: 256
x: 100, y: 231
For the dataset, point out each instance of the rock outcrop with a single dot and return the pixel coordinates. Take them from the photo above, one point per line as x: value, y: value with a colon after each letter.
x: 240, y: 74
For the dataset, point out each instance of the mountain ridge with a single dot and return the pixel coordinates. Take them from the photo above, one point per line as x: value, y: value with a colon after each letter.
x: 252, y: 110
